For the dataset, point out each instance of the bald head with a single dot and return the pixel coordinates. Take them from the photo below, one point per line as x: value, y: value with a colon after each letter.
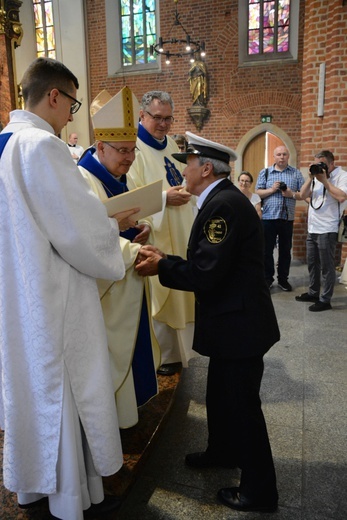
x: 281, y: 156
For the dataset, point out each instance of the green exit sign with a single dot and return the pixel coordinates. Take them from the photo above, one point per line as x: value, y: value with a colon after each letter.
x: 266, y: 119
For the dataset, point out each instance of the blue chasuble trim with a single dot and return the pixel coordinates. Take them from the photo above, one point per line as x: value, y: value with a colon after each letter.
x: 112, y: 186
x: 3, y: 141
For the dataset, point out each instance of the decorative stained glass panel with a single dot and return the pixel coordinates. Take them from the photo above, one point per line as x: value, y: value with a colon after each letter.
x: 44, y: 28
x: 138, y: 28
x: 268, y: 26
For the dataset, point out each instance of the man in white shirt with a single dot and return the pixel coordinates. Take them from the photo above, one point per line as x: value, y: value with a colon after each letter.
x: 326, y: 187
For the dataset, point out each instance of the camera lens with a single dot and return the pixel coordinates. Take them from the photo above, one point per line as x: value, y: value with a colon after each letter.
x: 315, y: 168
x: 318, y: 168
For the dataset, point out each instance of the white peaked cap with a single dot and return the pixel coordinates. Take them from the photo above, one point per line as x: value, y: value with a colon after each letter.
x: 200, y: 142
x: 115, y: 118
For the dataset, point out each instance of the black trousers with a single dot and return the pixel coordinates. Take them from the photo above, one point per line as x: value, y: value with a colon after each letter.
x: 236, y: 424
x: 283, y: 229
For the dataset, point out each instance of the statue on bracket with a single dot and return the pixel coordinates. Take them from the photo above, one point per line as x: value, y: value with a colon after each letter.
x: 198, y: 81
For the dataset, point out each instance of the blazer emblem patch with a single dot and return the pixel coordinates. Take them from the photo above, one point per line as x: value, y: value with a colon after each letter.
x: 215, y: 230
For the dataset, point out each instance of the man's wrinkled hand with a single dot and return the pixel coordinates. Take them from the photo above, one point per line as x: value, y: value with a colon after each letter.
x: 147, y: 260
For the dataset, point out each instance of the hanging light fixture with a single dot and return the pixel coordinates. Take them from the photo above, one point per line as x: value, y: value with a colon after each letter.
x: 178, y: 47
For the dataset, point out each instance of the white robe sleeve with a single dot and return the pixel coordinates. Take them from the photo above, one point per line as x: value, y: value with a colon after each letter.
x: 71, y: 217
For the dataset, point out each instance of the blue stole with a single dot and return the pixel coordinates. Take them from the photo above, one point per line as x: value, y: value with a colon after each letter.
x: 173, y: 175
x: 3, y: 141
x: 112, y: 186
x: 145, y: 380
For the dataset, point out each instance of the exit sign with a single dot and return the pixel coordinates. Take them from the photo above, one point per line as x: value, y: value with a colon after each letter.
x: 266, y: 119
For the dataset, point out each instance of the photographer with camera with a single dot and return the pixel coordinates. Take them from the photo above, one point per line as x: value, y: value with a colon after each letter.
x: 326, y: 188
x: 278, y: 187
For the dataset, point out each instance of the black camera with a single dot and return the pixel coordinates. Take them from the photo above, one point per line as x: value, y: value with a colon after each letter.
x: 316, y: 169
x: 282, y: 186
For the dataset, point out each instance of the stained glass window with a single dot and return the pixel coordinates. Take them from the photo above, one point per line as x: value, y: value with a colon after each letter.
x: 138, y: 27
x: 268, y: 27
x: 44, y: 28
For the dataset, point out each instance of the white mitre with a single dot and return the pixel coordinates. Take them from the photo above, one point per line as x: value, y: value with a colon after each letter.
x: 115, y: 118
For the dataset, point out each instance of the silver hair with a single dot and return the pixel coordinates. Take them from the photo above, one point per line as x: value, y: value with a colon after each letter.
x: 163, y: 97
x: 219, y: 167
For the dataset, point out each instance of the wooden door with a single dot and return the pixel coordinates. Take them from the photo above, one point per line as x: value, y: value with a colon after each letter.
x: 254, y: 157
x: 258, y: 154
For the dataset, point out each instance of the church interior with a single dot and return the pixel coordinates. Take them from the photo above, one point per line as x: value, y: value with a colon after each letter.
x: 236, y: 86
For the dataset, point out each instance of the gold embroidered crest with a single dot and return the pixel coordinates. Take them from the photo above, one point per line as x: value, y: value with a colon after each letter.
x: 215, y: 230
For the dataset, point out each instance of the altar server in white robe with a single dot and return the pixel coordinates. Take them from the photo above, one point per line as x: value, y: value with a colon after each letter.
x: 134, y: 352
x: 56, y: 402
x: 172, y: 310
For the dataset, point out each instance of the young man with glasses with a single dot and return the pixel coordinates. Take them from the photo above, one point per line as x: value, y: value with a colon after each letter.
x: 56, y: 397
x: 134, y: 352
x: 172, y: 311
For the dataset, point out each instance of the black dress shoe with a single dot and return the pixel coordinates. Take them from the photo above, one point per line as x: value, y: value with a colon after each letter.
x: 232, y: 498
x: 306, y: 297
x: 203, y: 459
x: 320, y: 306
x: 167, y: 370
x: 110, y: 504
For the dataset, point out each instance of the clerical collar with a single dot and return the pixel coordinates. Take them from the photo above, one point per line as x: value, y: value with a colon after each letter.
x: 147, y: 138
x: 71, y: 145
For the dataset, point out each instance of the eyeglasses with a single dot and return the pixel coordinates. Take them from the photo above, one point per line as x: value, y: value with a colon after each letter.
x: 245, y: 182
x: 123, y: 151
x: 158, y: 119
x: 75, y: 106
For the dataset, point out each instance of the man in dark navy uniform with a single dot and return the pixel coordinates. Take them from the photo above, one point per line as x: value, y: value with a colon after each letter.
x: 235, y: 321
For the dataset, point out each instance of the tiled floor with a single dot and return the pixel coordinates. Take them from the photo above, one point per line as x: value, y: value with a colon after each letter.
x: 137, y: 443
x: 304, y: 396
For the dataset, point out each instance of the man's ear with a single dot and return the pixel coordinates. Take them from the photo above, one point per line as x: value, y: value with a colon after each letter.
x: 100, y: 146
x: 54, y: 93
x: 142, y: 114
x: 207, y: 169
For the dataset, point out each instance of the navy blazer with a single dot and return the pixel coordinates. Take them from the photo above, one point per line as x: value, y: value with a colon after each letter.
x: 234, y: 314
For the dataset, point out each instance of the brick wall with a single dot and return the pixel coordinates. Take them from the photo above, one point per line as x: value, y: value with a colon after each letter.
x: 238, y: 95
x: 300, y: 232
x: 325, y: 42
x: 7, y: 100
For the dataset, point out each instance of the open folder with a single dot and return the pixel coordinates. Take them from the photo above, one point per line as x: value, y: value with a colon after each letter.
x: 148, y: 198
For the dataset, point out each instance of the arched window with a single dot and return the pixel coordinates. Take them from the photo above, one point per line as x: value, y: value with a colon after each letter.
x: 268, y: 30
x: 44, y: 28
x: 131, y: 28
x: 138, y: 27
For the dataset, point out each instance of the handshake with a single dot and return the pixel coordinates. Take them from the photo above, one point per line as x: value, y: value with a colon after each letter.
x: 147, y: 260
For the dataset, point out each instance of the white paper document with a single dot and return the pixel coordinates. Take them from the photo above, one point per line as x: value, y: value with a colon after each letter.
x: 148, y: 198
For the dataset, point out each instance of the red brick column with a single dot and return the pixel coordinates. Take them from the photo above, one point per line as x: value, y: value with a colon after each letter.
x: 299, y: 233
x: 7, y: 98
